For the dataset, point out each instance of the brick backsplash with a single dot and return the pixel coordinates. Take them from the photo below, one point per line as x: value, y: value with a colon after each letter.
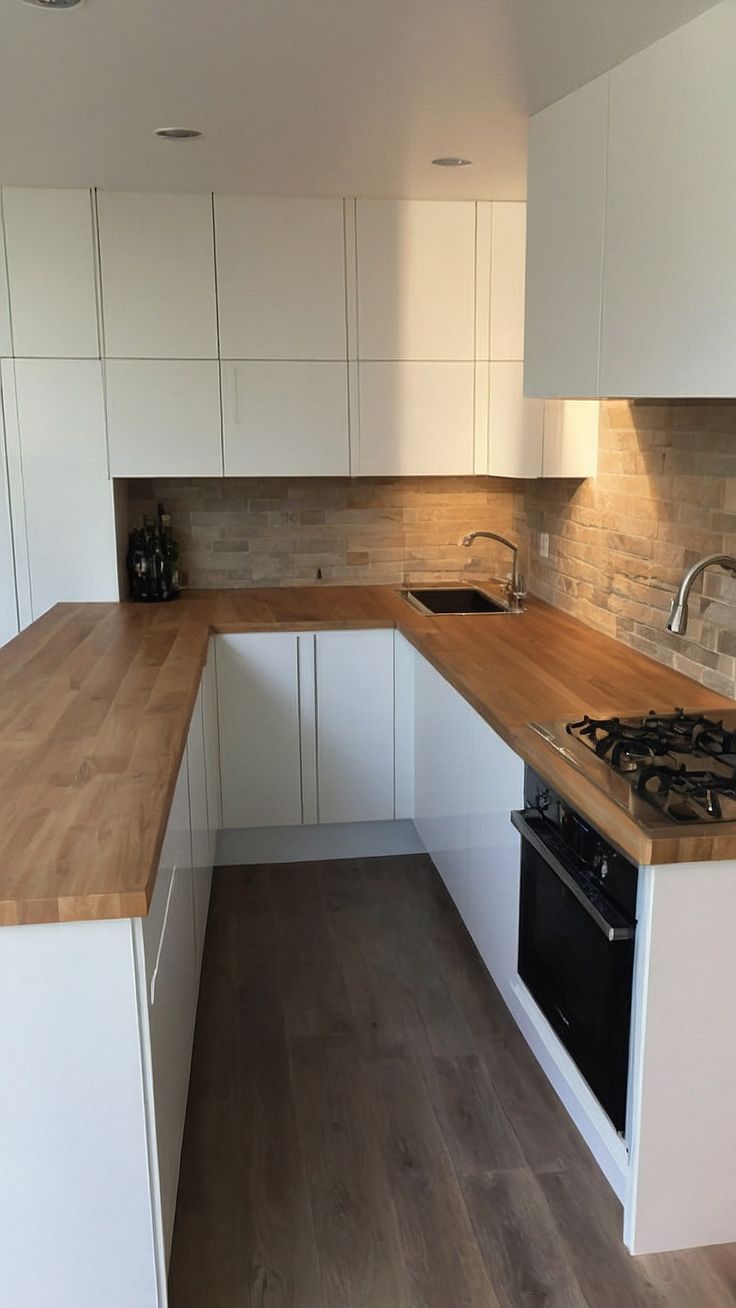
x: 665, y: 494
x: 619, y: 543
x: 257, y: 532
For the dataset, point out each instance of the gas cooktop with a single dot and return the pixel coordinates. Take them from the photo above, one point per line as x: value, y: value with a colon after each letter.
x: 664, y: 768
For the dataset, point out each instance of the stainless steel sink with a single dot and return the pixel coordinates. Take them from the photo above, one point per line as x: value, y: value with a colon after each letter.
x: 452, y: 599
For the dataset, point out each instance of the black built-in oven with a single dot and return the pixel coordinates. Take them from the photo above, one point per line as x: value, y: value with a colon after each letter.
x: 576, y: 938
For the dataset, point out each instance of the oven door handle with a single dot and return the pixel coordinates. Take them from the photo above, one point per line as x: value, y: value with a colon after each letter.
x: 610, y: 931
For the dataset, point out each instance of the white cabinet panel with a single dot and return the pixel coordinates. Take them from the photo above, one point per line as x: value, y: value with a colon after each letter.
x: 491, y: 886
x: 565, y: 223
x: 201, y: 851
x: 8, y: 601
x: 516, y: 425
x: 280, y: 277
x: 285, y: 419
x: 51, y: 272
x: 258, y: 691
x: 158, y: 276
x: 6, y: 345
x: 416, y: 279
x: 212, y: 748
x: 163, y: 418
x: 355, y: 725
x: 508, y: 259
x: 570, y: 438
x: 62, y: 498
x: 416, y: 419
x: 442, y: 731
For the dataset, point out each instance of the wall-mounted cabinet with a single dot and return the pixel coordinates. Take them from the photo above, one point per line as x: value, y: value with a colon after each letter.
x: 631, y: 274
x: 538, y: 438
x: 6, y: 340
x: 158, y: 276
x: 50, y: 243
x: 163, y: 417
x: 416, y: 419
x: 285, y: 419
x: 280, y: 278
x: 61, y: 497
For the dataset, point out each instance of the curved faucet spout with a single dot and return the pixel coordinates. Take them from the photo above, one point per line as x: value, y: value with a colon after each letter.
x: 515, y: 587
x: 677, y: 621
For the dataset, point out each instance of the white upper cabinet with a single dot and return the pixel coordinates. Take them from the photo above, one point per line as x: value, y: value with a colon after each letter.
x: 565, y: 224
x: 538, y: 438
x: 355, y: 725
x: 163, y: 418
x: 285, y: 419
x: 158, y: 276
x: 670, y: 260
x: 61, y: 496
x: 570, y: 438
x: 416, y: 280
x: 51, y: 273
x: 508, y: 266
x: 280, y: 278
x: 416, y: 419
x: 6, y: 342
x: 8, y: 603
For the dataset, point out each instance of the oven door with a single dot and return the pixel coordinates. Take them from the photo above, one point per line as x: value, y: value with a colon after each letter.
x: 576, y: 957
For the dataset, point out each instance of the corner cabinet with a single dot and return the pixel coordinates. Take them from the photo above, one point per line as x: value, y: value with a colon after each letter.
x: 306, y: 727
x: 538, y: 438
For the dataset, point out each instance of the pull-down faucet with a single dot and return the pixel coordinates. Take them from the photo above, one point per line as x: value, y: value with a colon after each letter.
x: 513, y: 589
x: 677, y: 621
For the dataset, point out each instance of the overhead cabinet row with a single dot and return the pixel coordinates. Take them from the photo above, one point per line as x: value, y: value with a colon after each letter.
x: 631, y: 270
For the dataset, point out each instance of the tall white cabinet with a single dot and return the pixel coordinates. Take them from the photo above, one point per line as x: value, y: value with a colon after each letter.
x: 60, y: 493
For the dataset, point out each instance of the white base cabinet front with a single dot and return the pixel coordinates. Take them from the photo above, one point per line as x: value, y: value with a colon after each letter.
x: 8, y: 596
x: 355, y: 725
x: 467, y: 781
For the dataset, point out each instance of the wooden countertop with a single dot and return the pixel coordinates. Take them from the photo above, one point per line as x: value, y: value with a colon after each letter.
x: 95, y: 703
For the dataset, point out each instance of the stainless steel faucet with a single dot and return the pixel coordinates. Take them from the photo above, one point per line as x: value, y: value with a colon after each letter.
x: 513, y: 589
x: 677, y: 621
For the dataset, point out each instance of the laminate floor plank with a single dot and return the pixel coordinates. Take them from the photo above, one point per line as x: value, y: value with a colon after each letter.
x: 366, y: 1127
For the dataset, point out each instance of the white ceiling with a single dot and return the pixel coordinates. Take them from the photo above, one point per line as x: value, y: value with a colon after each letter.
x: 299, y: 96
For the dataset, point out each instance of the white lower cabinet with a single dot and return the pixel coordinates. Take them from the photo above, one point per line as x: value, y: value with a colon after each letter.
x: 211, y: 728
x: 355, y: 725
x: 61, y: 496
x: 8, y: 596
x: 198, y: 813
x: 306, y: 727
x: 467, y: 781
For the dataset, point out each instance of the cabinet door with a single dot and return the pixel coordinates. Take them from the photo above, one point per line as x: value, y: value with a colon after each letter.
x: 416, y: 419
x: 442, y: 738
x: 212, y: 749
x: 508, y: 258
x: 355, y: 725
x: 51, y: 273
x: 258, y: 698
x: 516, y: 425
x: 565, y: 219
x: 163, y: 418
x: 416, y: 279
x: 285, y: 419
x: 280, y: 277
x: 158, y: 276
x: 201, y: 857
x: 570, y: 438
x: 6, y: 345
x: 62, y: 498
x: 491, y: 886
x: 8, y: 600
x: 171, y: 975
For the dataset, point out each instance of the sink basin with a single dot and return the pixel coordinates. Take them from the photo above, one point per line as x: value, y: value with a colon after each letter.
x: 452, y: 599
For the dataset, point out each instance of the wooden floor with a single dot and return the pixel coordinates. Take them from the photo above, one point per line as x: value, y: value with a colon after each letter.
x: 366, y: 1129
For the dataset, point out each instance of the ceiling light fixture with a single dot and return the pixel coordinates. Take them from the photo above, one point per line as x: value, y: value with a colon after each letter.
x: 178, y: 133
x: 53, y: 4
x: 452, y: 161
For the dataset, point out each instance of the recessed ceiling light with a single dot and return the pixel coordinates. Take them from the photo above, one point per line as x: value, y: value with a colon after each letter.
x: 452, y: 161
x: 54, y: 4
x: 178, y: 133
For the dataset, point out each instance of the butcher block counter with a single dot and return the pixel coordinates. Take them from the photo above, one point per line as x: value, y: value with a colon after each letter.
x: 95, y: 703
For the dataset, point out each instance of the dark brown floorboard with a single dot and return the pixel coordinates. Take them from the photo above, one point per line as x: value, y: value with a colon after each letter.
x: 367, y: 1129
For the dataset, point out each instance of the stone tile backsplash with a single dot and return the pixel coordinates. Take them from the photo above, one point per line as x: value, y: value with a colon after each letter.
x: 268, y: 532
x: 618, y: 544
